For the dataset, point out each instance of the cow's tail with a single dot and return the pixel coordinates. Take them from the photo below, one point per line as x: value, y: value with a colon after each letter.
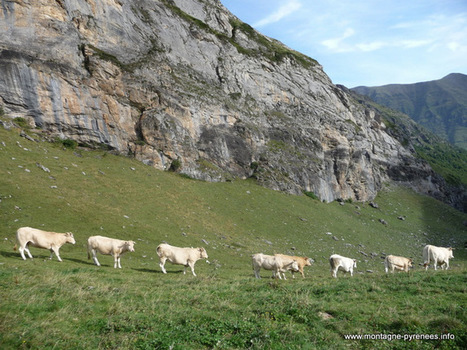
x: 158, y: 250
x: 426, y: 257
x: 332, y: 262
x: 15, y: 247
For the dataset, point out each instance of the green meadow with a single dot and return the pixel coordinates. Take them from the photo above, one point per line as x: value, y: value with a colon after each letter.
x: 45, y: 304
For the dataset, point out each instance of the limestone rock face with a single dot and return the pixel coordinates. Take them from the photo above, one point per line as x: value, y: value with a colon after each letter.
x: 185, y: 82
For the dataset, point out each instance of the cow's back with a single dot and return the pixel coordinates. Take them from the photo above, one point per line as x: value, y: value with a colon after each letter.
x: 28, y: 233
x: 105, y: 245
x: 177, y: 255
x: 267, y: 262
x: 35, y: 236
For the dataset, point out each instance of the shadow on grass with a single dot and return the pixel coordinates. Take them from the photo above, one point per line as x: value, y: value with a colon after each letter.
x: 158, y: 271
x: 84, y: 262
x: 16, y: 255
x: 10, y: 254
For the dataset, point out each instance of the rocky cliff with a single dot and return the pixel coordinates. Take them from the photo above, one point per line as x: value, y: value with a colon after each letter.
x: 184, y: 84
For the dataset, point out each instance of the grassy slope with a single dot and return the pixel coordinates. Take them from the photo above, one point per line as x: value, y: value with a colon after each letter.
x: 98, y: 193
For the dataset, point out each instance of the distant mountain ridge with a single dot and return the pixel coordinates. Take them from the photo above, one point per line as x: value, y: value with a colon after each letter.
x: 439, y: 105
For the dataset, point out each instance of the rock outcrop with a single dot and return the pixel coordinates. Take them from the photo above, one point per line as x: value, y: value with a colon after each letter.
x: 187, y: 85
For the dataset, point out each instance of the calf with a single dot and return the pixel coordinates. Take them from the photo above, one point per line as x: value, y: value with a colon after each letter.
x: 397, y: 263
x: 109, y: 246
x: 180, y: 256
x: 341, y: 263
x: 52, y: 241
x: 272, y: 263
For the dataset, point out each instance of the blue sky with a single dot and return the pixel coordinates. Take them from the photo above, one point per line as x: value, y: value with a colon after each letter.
x: 367, y: 42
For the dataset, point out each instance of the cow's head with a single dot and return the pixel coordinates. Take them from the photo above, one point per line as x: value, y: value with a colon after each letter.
x: 354, y: 263
x: 70, y: 238
x: 450, y: 254
x: 409, y: 264
x: 295, y: 266
x: 307, y: 262
x: 202, y: 253
x: 130, y: 245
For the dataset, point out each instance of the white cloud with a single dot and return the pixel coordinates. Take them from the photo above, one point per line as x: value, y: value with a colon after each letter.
x: 411, y: 44
x: 283, y: 11
x: 457, y: 47
x: 336, y: 44
x: 376, y: 45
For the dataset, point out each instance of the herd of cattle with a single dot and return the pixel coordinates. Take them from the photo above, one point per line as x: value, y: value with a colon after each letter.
x: 278, y: 263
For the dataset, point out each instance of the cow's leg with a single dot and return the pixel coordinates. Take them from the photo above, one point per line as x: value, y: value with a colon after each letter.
x: 192, y: 267
x: 26, y: 248
x: 118, y: 262
x: 56, y: 251
x: 115, y: 261
x: 351, y: 272
x: 257, y: 275
x: 94, y: 257
x: 21, y: 252
x: 162, y: 261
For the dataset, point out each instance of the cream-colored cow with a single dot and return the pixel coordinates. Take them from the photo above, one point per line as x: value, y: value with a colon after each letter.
x: 273, y: 263
x: 109, y: 246
x: 180, y: 256
x: 393, y: 262
x: 28, y: 236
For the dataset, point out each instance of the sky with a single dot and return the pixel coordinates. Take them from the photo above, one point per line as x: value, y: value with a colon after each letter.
x: 367, y: 42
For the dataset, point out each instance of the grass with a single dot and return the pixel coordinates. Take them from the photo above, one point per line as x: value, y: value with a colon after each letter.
x: 76, y: 305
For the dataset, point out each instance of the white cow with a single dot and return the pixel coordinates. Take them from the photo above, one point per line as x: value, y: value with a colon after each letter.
x: 180, y: 256
x: 273, y: 263
x: 52, y: 241
x: 439, y: 255
x: 341, y: 263
x: 397, y: 263
x: 109, y: 246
